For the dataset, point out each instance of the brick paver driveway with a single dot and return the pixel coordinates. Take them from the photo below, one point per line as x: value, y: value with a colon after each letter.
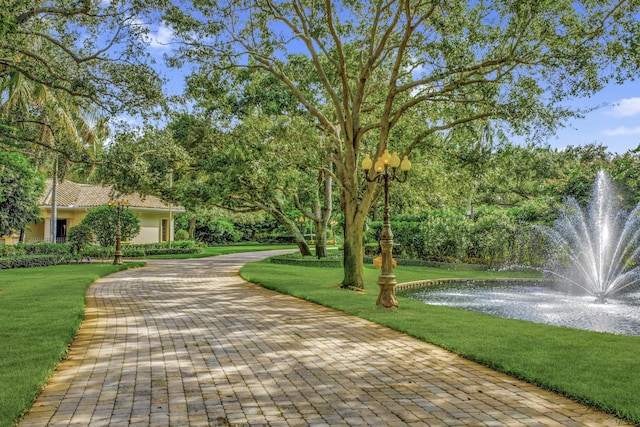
x: 189, y: 343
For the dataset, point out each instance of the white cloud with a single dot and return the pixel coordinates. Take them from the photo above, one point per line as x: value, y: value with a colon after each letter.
x: 622, y: 130
x: 626, y: 107
x: 162, y: 37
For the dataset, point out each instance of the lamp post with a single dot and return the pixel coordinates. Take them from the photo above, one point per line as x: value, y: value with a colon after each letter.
x: 386, y: 169
x: 301, y: 220
x: 118, y: 204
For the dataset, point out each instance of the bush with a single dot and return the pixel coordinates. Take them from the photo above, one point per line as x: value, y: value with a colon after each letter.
x: 181, y: 235
x: 96, y: 251
x: 61, y: 249
x: 447, y: 235
x: 299, y: 260
x: 79, y: 237
x: 167, y: 251
x: 26, y: 261
x: 217, y: 231
x: 133, y: 253
x: 276, y: 239
x: 103, y: 222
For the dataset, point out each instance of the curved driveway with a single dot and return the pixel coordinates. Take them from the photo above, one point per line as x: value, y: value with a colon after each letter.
x: 189, y: 343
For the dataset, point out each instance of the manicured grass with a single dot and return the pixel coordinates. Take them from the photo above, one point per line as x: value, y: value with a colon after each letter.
x: 225, y: 249
x: 600, y: 370
x: 40, y: 312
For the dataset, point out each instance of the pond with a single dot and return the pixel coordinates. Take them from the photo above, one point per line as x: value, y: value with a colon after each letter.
x: 537, y: 301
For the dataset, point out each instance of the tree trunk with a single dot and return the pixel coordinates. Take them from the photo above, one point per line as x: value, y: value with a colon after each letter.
x: 192, y: 227
x: 355, y: 206
x: 303, y: 246
x: 291, y: 228
x: 321, y: 239
x: 354, y: 217
x: 353, y: 253
x: 54, y: 203
x: 320, y: 211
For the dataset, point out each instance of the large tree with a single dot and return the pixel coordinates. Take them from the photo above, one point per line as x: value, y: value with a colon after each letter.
x: 20, y: 188
x: 251, y: 167
x: 362, y: 68
x: 91, y: 54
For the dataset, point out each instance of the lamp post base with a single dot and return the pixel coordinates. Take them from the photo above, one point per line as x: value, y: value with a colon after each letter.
x: 387, y: 295
x: 117, y: 259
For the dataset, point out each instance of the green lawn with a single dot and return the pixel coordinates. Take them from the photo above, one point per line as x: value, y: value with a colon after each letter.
x: 40, y: 312
x: 601, y: 370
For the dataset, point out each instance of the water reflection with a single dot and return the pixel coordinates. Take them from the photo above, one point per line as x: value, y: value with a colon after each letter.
x: 538, y: 302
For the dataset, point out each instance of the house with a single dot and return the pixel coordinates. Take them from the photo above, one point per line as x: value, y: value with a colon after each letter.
x: 74, y: 200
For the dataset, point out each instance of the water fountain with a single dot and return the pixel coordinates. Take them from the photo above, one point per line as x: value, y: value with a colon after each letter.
x: 596, y: 250
x: 593, y: 252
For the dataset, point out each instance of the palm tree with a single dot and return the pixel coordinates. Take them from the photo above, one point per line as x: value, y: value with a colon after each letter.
x: 51, y: 127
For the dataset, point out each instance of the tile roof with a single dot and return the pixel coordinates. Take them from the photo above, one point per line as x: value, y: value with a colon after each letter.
x: 71, y: 194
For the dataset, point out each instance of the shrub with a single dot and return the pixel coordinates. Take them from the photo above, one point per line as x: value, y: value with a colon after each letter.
x: 61, y: 249
x: 299, y: 260
x: 79, y: 237
x: 103, y: 222
x: 26, y: 261
x: 181, y: 235
x: 495, y: 237
x: 217, y: 231
x: 133, y: 253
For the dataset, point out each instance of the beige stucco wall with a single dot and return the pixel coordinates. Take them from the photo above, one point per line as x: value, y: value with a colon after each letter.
x: 150, y: 224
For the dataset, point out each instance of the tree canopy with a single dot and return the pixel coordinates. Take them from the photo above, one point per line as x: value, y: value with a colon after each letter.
x: 89, y: 54
x: 393, y: 74
x: 20, y: 188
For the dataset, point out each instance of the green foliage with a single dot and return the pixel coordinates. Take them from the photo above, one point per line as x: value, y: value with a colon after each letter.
x: 145, y: 161
x: 35, y: 255
x: 254, y: 226
x: 27, y: 261
x: 79, y: 237
x: 405, y: 77
x: 20, y: 189
x: 216, y: 231
x: 299, y: 260
x: 103, y: 222
x: 144, y: 249
x: 495, y: 237
x: 181, y: 235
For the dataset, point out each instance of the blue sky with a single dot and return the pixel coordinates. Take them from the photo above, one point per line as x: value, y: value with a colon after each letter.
x: 615, y: 123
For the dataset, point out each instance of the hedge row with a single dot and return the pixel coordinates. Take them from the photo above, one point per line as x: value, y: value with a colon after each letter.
x: 25, y: 261
x: 45, y: 254
x: 453, y: 265
x: 493, y: 237
x: 34, y: 249
x: 299, y: 260
x: 335, y: 262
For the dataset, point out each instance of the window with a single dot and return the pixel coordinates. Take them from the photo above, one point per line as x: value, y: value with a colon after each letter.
x: 164, y: 229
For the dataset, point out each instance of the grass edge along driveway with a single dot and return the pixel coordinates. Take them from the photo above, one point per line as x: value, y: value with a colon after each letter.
x: 41, y: 310
x: 598, y: 369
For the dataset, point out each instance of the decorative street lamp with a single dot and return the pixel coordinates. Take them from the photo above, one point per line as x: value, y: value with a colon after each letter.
x: 386, y: 170
x: 118, y: 204
x: 301, y: 220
